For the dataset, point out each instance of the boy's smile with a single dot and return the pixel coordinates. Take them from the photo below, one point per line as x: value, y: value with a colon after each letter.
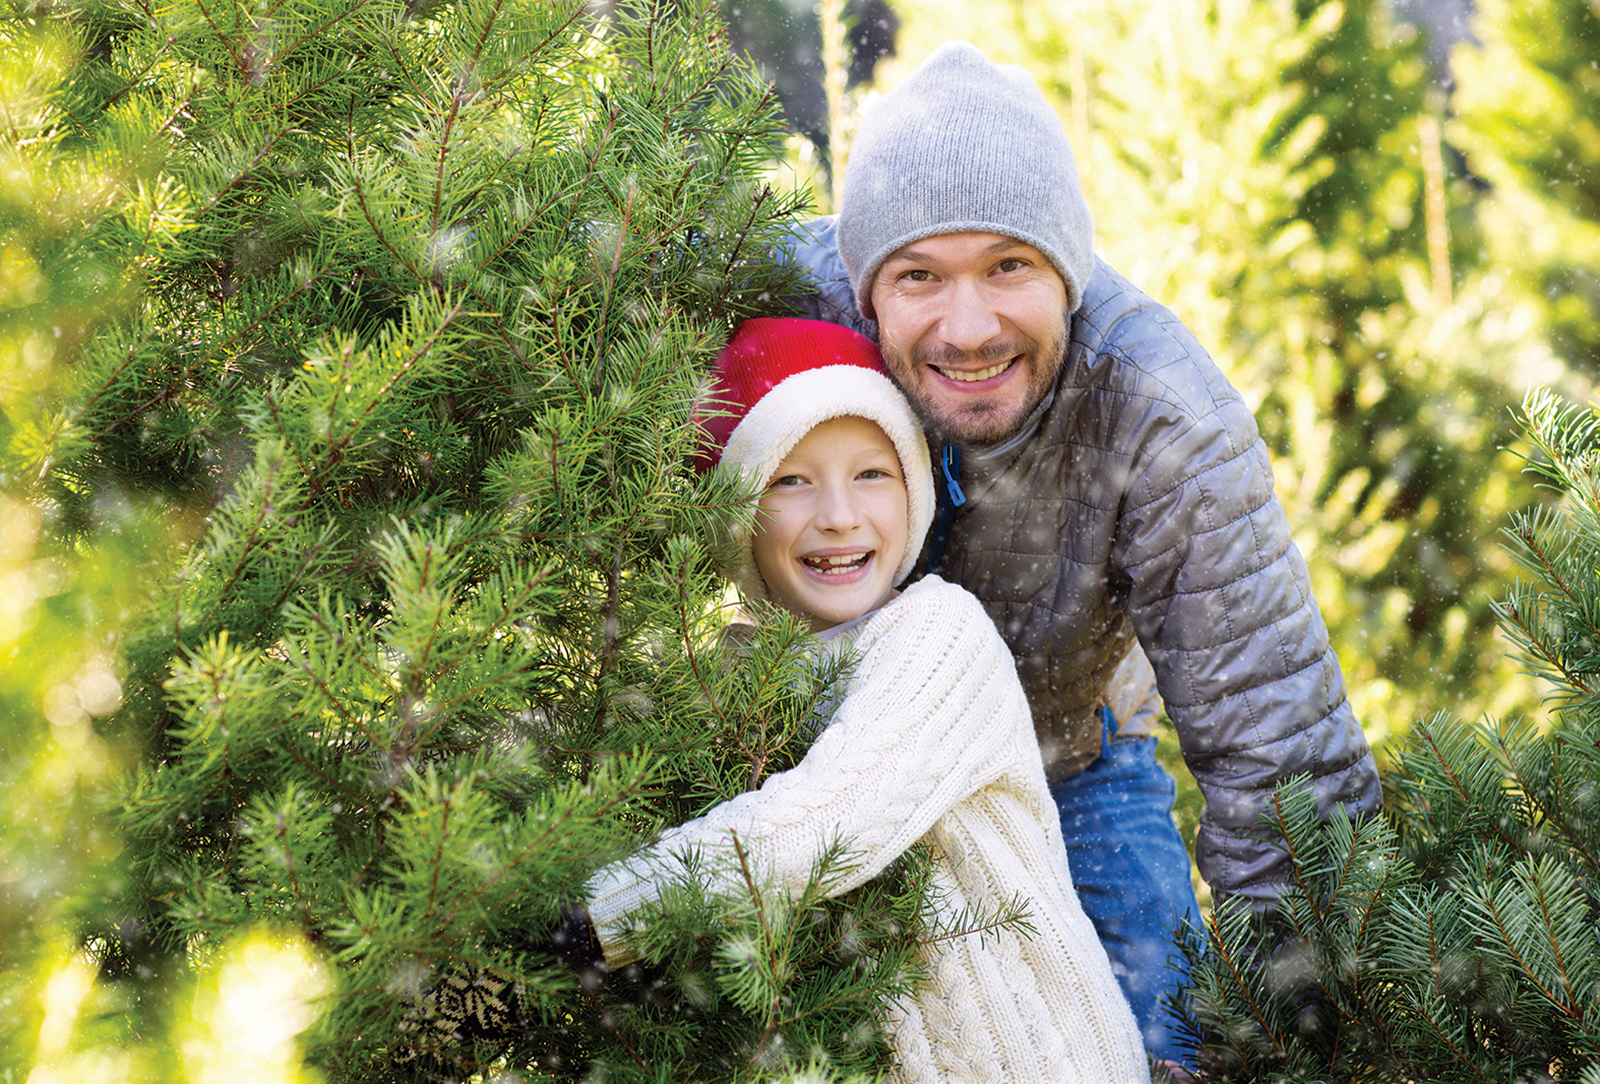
x: 831, y: 529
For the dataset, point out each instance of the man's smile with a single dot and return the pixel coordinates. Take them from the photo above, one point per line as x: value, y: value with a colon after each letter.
x: 981, y: 374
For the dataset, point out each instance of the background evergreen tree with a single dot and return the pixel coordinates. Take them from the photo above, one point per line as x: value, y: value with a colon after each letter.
x: 61, y: 605
x: 374, y: 331
x: 1526, y: 107
x: 1451, y: 938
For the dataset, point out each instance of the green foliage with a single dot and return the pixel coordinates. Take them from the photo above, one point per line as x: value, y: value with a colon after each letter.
x: 772, y: 981
x: 62, y: 604
x: 352, y: 350
x: 1452, y: 937
x: 1526, y: 108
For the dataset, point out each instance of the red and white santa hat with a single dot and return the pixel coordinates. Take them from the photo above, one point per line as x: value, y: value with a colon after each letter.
x: 780, y: 378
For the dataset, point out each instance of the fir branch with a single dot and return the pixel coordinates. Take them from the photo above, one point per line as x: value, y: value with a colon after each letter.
x: 1496, y: 910
x: 308, y: 280
x: 282, y: 827
x: 317, y: 480
x: 267, y: 147
x: 315, y: 33
x: 221, y: 37
x: 534, y: 217
x: 497, y: 320
x: 636, y: 772
x: 1552, y: 814
x: 135, y: 80
x: 444, y: 804
x: 1441, y: 1031
x: 1240, y: 970
x: 284, y: 434
x: 536, y: 52
x: 334, y: 700
x: 1011, y: 915
x: 331, y: 781
x: 750, y: 883
x: 1526, y: 636
x: 402, y: 68
x: 1440, y: 759
x: 737, y: 249
x: 253, y: 537
x: 610, y: 623
x: 112, y: 379
x: 687, y: 638
x: 459, y: 97
x: 366, y: 210
x: 608, y: 287
x: 1569, y: 828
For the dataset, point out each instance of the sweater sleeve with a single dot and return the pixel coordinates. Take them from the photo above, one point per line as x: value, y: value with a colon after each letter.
x: 920, y: 727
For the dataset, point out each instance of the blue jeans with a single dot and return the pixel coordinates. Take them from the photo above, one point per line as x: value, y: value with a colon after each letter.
x: 1131, y: 870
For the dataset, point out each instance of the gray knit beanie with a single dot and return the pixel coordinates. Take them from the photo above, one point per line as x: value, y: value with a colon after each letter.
x: 963, y: 144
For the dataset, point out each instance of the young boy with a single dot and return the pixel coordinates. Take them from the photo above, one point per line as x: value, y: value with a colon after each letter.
x: 931, y: 739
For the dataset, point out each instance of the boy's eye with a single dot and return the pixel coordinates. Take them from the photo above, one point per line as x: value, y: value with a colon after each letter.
x: 786, y: 480
x: 874, y: 472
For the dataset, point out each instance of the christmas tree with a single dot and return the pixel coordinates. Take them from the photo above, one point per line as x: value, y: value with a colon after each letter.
x: 372, y: 332
x: 1451, y: 938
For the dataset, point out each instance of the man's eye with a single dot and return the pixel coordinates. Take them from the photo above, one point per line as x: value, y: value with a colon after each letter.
x: 1010, y: 264
x: 918, y: 275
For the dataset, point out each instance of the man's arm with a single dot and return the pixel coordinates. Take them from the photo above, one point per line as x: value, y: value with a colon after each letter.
x: 1221, y: 600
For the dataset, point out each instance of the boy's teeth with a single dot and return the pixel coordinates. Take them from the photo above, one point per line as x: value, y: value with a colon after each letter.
x: 981, y: 374
x: 836, y: 563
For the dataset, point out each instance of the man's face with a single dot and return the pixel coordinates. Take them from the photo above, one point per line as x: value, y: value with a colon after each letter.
x: 972, y: 326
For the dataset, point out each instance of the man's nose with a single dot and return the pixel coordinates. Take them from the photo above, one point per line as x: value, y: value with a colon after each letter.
x: 969, y: 319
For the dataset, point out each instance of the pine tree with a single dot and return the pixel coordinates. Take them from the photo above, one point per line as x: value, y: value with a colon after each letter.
x: 1451, y: 938
x: 371, y: 333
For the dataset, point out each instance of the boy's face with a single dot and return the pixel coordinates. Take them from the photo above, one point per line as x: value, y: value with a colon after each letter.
x: 831, y: 529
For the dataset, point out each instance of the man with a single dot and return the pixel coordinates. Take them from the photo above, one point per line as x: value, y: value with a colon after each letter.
x: 1102, y: 487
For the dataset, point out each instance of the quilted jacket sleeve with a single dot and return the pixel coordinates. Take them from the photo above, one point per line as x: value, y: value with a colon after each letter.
x: 922, y: 726
x: 1221, y: 600
x: 813, y: 246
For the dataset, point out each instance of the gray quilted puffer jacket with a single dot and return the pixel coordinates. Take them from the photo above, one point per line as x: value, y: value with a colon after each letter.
x: 1137, y: 503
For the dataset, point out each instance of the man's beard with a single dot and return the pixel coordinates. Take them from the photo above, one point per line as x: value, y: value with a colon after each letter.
x: 983, y: 422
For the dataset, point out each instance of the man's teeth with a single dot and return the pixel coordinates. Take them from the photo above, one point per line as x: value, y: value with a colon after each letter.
x: 981, y: 374
x: 834, y: 565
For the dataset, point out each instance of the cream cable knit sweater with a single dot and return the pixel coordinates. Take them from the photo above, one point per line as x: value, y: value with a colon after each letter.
x: 932, y: 740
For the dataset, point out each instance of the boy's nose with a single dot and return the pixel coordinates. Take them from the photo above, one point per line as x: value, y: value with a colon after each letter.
x: 837, y: 511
